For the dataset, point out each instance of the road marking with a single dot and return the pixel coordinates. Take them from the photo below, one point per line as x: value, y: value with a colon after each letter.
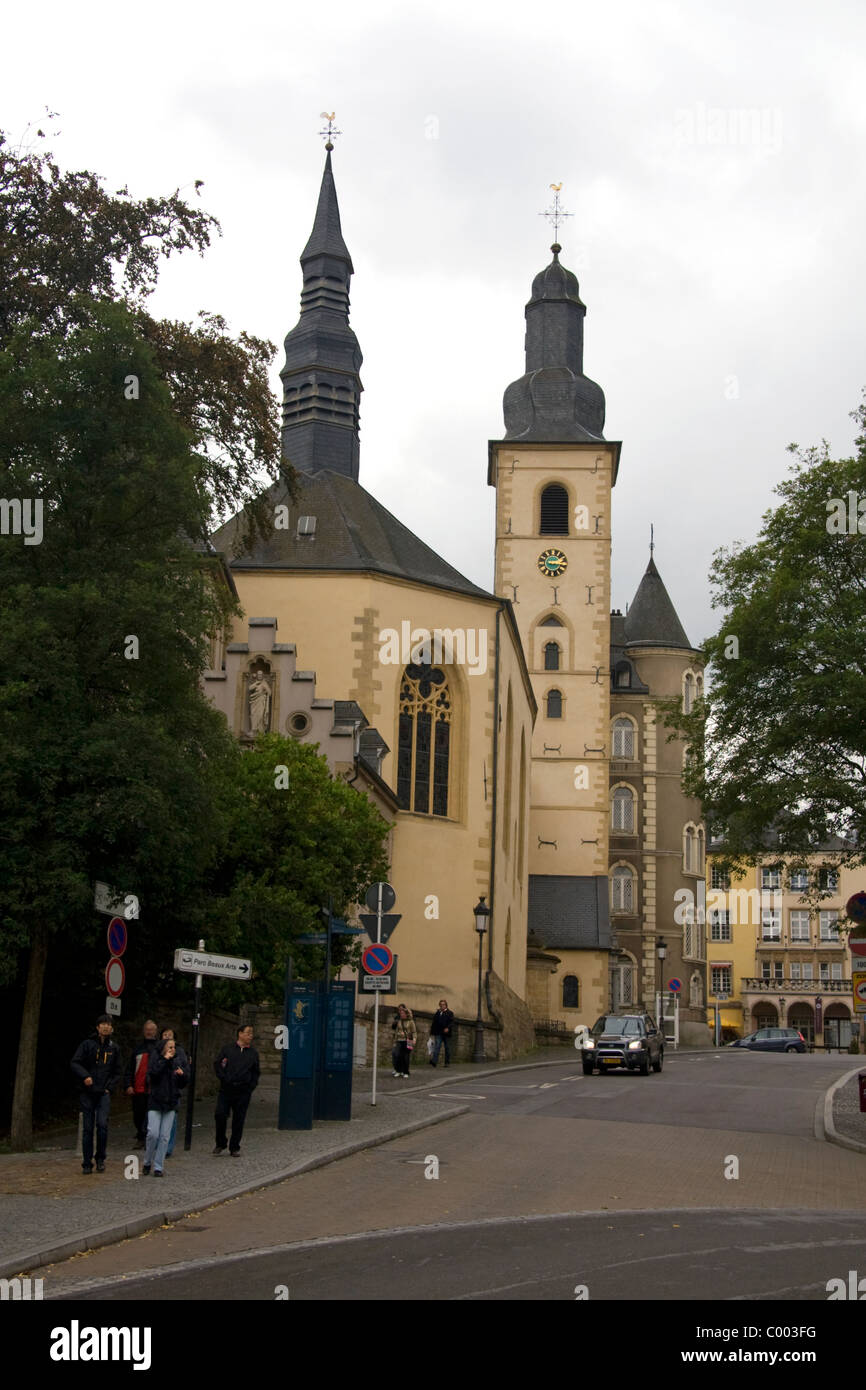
x: 576, y: 1077
x: 464, y: 1095
x: 546, y: 1085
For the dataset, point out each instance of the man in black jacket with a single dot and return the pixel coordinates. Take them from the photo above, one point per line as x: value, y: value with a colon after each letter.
x: 97, y: 1065
x: 441, y: 1032
x: 135, y: 1080
x: 237, y: 1068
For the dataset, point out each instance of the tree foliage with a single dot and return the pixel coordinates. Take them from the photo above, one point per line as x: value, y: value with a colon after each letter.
x: 780, y: 738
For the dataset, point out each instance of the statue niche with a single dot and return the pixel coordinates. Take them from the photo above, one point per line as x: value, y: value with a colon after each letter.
x: 259, y: 698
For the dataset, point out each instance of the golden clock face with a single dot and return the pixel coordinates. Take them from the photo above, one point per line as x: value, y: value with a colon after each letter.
x: 552, y: 562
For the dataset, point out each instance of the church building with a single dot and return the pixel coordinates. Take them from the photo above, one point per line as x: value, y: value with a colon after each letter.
x: 490, y: 724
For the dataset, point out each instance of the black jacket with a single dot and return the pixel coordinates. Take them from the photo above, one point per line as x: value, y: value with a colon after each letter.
x: 100, y: 1060
x: 164, y: 1087
x: 148, y: 1045
x: 442, y: 1019
x: 237, y: 1068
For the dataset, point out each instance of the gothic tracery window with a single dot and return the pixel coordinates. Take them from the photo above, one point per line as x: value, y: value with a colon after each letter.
x: 424, y: 749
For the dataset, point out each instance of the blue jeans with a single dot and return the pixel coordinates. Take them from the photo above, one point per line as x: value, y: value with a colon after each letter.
x: 171, y: 1138
x: 440, y: 1041
x: 94, y: 1109
x: 159, y: 1123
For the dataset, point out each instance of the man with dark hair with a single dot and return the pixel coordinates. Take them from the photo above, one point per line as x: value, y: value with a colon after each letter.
x: 237, y: 1068
x: 135, y: 1080
x: 97, y: 1065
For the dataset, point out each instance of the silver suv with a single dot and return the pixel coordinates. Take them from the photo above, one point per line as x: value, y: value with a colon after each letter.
x: 623, y: 1040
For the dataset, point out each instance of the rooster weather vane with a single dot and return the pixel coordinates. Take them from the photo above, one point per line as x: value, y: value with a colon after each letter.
x: 556, y: 214
x: 331, y: 131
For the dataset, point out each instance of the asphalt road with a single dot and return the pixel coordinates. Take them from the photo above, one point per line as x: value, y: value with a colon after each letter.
x: 706, y: 1181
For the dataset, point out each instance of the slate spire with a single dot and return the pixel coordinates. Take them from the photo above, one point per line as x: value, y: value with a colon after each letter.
x: 554, y: 400
x: 321, y: 385
x: 651, y: 620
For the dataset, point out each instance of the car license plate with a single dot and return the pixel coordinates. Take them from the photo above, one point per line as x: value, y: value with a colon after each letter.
x: 610, y: 1061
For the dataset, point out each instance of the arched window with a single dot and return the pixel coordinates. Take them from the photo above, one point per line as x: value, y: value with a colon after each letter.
x: 554, y: 704
x: 688, y: 692
x: 551, y: 621
x: 551, y: 656
x: 699, y: 687
x: 689, y: 850
x: 424, y: 741
x: 570, y: 992
x: 622, y: 811
x: 622, y: 893
x: 696, y: 990
x: 623, y: 738
x: 699, y: 851
x: 554, y: 511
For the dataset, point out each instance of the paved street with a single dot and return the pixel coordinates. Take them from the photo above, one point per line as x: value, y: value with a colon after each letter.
x: 553, y: 1180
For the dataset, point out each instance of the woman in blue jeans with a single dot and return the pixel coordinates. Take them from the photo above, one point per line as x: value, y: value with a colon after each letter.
x: 167, y: 1074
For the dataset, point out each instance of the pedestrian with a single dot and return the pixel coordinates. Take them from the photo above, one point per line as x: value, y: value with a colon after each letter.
x: 166, y: 1077
x: 441, y: 1032
x: 405, y: 1038
x: 98, y: 1067
x: 237, y: 1068
x: 135, y: 1080
x: 183, y: 1061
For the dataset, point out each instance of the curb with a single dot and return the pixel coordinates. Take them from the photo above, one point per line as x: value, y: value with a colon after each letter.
x: 110, y: 1235
x: 831, y: 1133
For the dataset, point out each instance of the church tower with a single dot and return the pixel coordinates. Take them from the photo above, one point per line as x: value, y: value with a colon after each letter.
x: 553, y: 473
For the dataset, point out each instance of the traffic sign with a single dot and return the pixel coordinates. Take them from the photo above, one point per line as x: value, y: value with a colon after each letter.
x: 112, y: 1006
x: 117, y: 936
x: 389, y: 922
x: 855, y: 907
x: 858, y: 981
x: 378, y: 984
x: 203, y: 963
x: 378, y: 959
x: 675, y: 985
x: 389, y: 897
x: 115, y: 977
x: 722, y: 998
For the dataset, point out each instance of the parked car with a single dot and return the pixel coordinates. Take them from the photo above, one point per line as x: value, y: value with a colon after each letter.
x: 773, y: 1040
x: 623, y: 1040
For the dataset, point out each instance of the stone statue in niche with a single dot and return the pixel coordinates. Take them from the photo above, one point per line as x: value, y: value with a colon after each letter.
x: 259, y: 695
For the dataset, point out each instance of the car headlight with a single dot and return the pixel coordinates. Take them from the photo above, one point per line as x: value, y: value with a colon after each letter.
x: 633, y: 1046
x: 589, y: 1043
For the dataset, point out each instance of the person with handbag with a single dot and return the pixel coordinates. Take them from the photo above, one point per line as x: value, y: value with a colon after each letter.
x: 405, y: 1038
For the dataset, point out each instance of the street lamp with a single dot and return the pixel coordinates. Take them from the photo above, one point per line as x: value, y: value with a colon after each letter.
x: 661, y: 952
x: 481, y: 913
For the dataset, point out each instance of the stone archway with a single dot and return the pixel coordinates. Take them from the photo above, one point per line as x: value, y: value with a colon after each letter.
x: 801, y: 1015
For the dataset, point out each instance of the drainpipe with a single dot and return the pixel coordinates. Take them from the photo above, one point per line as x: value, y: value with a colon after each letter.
x: 493, y: 811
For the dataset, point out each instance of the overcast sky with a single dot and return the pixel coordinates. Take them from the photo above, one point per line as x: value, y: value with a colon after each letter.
x: 711, y: 155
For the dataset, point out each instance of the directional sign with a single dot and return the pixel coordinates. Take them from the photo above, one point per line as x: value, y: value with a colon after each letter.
x: 203, y: 963
x: 112, y: 903
x: 377, y: 960
x: 389, y: 897
x: 389, y: 922
x: 112, y: 1006
x: 675, y: 985
x: 115, y: 977
x: 117, y: 936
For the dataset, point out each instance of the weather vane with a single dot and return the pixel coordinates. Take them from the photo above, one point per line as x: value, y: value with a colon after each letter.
x: 556, y: 214
x: 331, y: 130
x: 652, y: 539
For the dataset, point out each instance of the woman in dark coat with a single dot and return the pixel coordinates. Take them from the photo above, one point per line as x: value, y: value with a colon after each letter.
x: 167, y: 1074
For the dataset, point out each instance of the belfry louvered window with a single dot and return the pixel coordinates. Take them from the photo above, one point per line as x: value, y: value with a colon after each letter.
x: 424, y: 746
x: 554, y: 511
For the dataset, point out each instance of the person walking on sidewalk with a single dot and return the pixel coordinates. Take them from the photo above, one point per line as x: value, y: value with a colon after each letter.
x: 237, y: 1068
x: 98, y: 1067
x: 166, y: 1077
x: 441, y: 1031
x: 182, y: 1061
x: 405, y: 1038
x: 135, y: 1080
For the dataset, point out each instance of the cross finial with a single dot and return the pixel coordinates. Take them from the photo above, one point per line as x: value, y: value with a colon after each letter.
x: 331, y: 129
x: 555, y: 215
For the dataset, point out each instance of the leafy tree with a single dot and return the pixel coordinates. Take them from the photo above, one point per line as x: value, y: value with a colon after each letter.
x: 296, y: 837
x: 108, y: 747
x: 780, y: 739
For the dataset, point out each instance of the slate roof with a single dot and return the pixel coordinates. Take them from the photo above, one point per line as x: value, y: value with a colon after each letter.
x: 353, y: 532
x: 652, y: 620
x: 569, y: 913
x: 326, y: 238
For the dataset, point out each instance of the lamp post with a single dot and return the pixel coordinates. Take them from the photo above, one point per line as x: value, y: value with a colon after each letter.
x: 481, y: 913
x: 661, y: 952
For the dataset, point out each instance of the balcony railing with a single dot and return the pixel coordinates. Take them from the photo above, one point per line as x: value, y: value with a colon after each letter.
x: 752, y: 985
